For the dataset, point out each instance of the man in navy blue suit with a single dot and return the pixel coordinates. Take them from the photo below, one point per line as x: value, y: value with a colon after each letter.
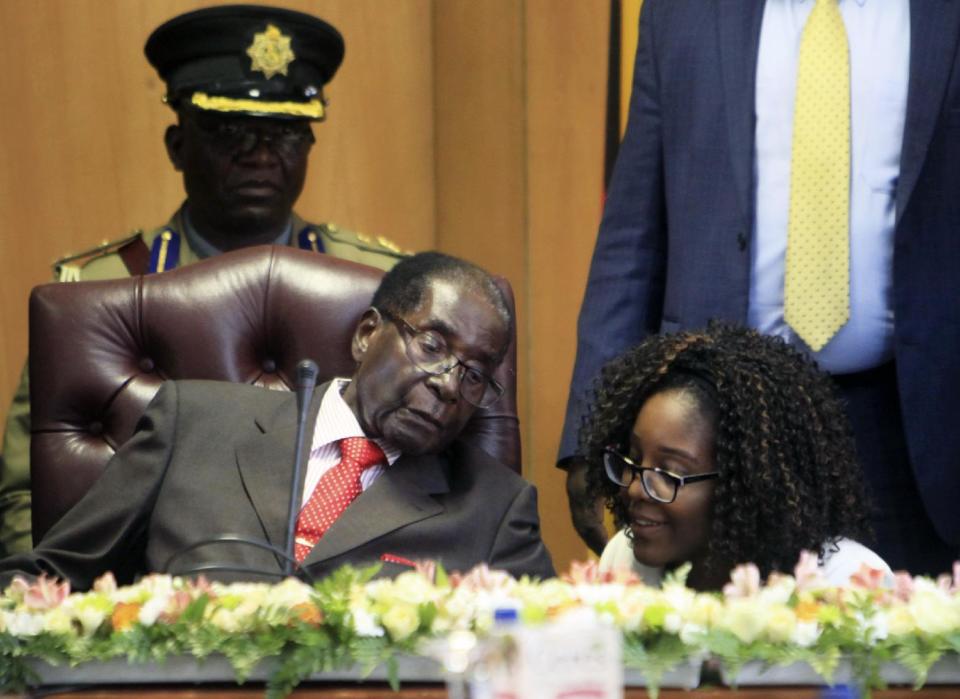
x: 696, y: 221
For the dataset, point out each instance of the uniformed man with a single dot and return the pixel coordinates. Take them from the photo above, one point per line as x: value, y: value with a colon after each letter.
x: 246, y: 84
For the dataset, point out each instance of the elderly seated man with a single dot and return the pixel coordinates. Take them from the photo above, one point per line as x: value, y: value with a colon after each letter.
x: 384, y: 481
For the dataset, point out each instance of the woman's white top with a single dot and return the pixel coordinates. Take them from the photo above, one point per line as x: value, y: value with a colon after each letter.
x: 838, y: 564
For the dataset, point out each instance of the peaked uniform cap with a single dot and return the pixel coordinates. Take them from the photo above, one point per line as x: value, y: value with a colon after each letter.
x: 248, y: 59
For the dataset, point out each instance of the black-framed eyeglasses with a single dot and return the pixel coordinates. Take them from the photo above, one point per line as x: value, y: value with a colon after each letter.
x: 658, y: 484
x: 231, y: 135
x: 428, y: 351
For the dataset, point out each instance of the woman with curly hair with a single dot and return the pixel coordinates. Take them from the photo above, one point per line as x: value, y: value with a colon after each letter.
x: 724, y: 447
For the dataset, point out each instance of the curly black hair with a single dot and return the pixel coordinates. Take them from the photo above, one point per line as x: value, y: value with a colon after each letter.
x: 789, y: 477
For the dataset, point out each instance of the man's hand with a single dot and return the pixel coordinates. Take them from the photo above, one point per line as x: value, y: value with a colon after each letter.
x: 587, y: 515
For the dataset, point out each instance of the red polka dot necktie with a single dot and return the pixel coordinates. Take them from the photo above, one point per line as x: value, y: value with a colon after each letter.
x: 336, y: 490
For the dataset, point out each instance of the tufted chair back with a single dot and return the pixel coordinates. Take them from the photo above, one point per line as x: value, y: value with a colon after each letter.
x: 99, y: 351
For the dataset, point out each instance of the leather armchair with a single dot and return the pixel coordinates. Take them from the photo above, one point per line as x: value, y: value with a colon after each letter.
x: 99, y: 351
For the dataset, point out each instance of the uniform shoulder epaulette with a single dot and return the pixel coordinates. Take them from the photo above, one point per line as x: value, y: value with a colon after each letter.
x: 380, y: 244
x: 67, y: 268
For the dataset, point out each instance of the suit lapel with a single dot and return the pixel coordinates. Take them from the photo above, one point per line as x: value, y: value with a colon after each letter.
x: 400, y: 496
x: 934, y: 26
x: 738, y: 25
x: 265, y: 462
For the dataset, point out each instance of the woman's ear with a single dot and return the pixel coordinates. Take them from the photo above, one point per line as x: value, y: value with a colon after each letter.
x: 370, y: 322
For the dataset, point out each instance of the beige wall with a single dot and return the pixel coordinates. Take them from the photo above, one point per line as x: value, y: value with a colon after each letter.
x: 472, y: 127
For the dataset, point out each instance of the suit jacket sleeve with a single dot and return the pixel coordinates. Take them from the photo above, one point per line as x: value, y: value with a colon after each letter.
x: 106, y: 529
x: 624, y: 295
x: 517, y: 547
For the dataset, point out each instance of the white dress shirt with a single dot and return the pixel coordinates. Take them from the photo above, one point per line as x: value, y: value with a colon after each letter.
x: 336, y: 421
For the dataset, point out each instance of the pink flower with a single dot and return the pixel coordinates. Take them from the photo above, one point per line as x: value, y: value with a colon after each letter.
x: 427, y: 568
x: 106, y: 583
x: 482, y: 578
x: 744, y: 582
x: 176, y: 606
x: 807, y: 572
x: 868, y: 578
x: 201, y: 586
x: 588, y: 573
x: 46, y: 593
x: 948, y: 583
x: 18, y: 588
x: 902, y: 586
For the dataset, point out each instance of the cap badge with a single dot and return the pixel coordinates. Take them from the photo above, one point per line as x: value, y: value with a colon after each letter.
x: 270, y: 52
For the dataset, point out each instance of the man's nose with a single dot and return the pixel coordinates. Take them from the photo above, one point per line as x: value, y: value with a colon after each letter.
x: 257, y: 144
x: 447, y: 383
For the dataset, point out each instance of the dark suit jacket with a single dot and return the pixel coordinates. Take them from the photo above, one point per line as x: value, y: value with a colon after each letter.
x: 673, y: 250
x: 212, y: 458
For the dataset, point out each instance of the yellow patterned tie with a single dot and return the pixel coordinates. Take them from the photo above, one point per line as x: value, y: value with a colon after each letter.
x: 817, y: 280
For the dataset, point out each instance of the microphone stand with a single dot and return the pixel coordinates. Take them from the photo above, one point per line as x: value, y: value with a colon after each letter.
x: 306, y: 381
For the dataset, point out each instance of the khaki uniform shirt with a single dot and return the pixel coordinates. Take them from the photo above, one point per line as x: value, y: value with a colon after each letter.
x: 105, y: 263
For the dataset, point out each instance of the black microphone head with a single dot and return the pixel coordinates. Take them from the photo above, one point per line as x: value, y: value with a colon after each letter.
x: 307, y: 373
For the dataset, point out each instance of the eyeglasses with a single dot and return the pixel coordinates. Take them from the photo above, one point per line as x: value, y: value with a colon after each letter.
x: 658, y: 484
x: 428, y: 351
x: 242, y: 136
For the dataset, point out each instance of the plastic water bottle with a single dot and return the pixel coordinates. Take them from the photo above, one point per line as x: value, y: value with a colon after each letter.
x: 493, y: 675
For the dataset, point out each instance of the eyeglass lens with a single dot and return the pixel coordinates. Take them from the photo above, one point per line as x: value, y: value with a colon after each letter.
x: 656, y: 484
x: 430, y: 353
x: 243, y: 136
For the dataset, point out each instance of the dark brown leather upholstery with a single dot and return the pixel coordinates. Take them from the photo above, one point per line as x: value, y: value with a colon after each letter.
x: 99, y: 351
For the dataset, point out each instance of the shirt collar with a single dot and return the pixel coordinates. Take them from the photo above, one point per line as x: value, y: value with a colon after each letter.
x: 338, y: 421
x: 204, y: 249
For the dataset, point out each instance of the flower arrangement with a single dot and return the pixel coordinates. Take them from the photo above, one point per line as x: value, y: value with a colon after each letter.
x: 350, y: 618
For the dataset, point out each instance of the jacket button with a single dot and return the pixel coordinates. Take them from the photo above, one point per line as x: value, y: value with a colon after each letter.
x: 741, y: 241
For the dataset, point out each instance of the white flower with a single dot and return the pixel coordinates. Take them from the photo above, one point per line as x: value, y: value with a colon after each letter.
x: 401, y: 620
x: 741, y: 617
x: 365, y: 623
x: 805, y: 633
x: 778, y: 589
x: 673, y: 622
x: 57, y: 621
x: 900, y: 621
x: 288, y: 594
x: 781, y: 623
x: 22, y: 623
x: 153, y: 608
x: 691, y: 634
x: 933, y: 611
x: 411, y: 587
x: 91, y: 610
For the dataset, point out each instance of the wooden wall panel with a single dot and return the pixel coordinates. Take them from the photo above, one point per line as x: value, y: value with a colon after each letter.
x: 480, y: 136
x: 480, y: 107
x: 566, y: 87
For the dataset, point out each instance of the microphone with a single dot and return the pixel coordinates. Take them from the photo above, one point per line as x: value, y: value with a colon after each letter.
x: 306, y: 381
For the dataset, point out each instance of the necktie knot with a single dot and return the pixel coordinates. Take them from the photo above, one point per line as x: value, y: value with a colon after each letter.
x: 359, y: 453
